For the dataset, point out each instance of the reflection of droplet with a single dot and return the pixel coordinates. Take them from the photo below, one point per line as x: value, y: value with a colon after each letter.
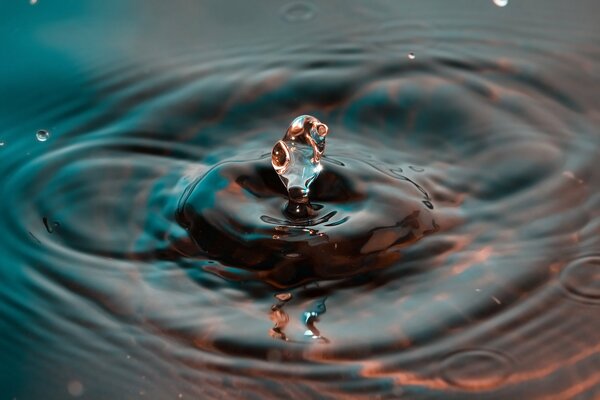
x: 501, y: 3
x: 42, y: 135
x: 297, y: 12
x: 581, y: 279
x: 411, y: 56
x: 475, y: 369
x: 311, y: 317
x: 283, y: 296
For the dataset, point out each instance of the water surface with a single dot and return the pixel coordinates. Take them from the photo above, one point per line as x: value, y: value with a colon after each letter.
x: 456, y: 253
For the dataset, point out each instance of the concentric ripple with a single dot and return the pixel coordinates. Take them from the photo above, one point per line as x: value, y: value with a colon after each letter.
x: 145, y: 240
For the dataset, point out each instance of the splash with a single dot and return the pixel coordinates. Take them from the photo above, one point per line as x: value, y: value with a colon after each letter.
x: 297, y: 160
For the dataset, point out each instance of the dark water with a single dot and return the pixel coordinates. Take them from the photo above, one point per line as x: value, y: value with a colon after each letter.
x: 456, y: 250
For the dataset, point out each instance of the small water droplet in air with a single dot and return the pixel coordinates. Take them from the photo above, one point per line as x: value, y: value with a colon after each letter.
x: 501, y: 3
x: 42, y: 135
x: 411, y: 56
x: 50, y: 227
x: 75, y: 388
x: 298, y: 12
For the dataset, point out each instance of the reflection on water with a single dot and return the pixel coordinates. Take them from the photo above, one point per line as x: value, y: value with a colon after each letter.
x: 454, y: 251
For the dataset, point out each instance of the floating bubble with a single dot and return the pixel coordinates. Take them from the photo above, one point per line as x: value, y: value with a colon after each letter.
x: 42, y: 135
x: 297, y: 12
x: 501, y: 3
x: 581, y: 279
x: 476, y: 369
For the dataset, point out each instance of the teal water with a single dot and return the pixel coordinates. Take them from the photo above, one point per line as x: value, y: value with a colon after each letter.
x: 456, y: 249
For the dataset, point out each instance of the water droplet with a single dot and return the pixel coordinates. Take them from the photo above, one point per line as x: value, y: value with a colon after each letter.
x: 581, y: 279
x: 411, y: 56
x: 75, y: 388
x: 476, y: 369
x: 42, y: 135
x: 501, y: 3
x: 50, y: 227
x: 298, y: 12
x: 296, y: 157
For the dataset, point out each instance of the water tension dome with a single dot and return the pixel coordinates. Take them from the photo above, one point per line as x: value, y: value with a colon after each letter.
x: 355, y: 218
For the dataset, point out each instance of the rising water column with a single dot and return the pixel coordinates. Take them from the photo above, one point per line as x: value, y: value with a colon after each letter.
x: 297, y: 160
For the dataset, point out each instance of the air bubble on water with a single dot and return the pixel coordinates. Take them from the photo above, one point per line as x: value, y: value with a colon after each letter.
x: 501, y: 3
x: 298, y: 12
x: 411, y: 56
x: 42, y: 135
